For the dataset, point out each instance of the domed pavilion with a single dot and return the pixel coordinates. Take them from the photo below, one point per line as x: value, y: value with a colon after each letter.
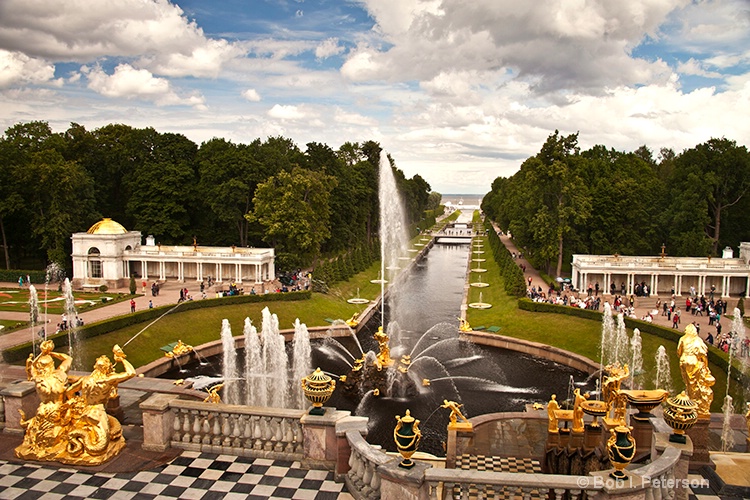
x: 109, y: 254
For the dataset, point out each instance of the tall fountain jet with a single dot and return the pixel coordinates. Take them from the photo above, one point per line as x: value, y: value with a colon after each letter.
x: 393, y: 231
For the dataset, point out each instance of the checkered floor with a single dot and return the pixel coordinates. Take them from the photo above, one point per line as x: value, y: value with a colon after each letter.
x: 192, y: 475
x: 498, y: 464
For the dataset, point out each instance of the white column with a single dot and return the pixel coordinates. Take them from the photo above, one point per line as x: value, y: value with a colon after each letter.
x: 144, y: 269
x: 747, y: 287
x: 679, y: 286
x: 199, y: 271
x: 656, y: 283
x: 238, y: 272
x: 162, y: 271
x: 725, y: 286
x: 220, y: 278
x: 258, y: 278
x: 675, y: 283
x: 574, y: 277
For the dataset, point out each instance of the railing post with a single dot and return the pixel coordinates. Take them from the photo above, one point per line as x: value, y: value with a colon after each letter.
x: 158, y: 422
x: 404, y: 484
x: 343, y: 449
x: 319, y: 437
x: 660, y: 443
x: 633, y: 487
x: 19, y: 396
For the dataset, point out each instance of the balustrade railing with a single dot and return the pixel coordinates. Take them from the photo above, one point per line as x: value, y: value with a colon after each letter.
x: 238, y: 430
x: 362, y: 480
x: 465, y: 484
x: 660, y: 475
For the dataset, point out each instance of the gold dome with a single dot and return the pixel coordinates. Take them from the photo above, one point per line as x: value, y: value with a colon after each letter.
x: 107, y: 226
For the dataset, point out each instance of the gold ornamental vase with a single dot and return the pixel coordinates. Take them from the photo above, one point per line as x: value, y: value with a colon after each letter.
x: 407, y: 437
x: 680, y: 414
x: 621, y: 450
x: 318, y: 388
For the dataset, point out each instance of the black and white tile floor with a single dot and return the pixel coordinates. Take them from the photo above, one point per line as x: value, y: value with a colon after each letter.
x: 192, y: 476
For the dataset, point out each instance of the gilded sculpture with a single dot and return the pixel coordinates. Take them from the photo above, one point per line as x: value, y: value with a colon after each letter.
x: 611, y: 394
x: 696, y: 375
x: 578, y: 410
x: 384, y: 354
x: 71, y: 425
x: 455, y: 415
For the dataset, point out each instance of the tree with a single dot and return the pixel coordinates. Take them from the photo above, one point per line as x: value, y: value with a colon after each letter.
x: 717, y: 171
x: 294, y: 209
x: 63, y: 197
x: 563, y: 199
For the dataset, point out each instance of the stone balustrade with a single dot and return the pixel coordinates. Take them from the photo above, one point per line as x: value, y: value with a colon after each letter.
x: 275, y: 433
x: 363, y: 480
x: 458, y: 483
x: 237, y: 430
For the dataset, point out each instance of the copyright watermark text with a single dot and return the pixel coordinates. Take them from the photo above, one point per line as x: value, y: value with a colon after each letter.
x: 656, y: 482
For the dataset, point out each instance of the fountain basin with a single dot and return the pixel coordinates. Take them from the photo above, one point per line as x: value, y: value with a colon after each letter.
x: 644, y: 401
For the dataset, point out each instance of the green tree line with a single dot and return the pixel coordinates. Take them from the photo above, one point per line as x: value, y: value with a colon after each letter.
x: 319, y: 201
x: 564, y: 201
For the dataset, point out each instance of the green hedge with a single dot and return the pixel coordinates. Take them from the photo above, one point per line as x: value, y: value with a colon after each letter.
x: 715, y: 355
x: 511, y: 273
x: 21, y: 352
x: 37, y: 277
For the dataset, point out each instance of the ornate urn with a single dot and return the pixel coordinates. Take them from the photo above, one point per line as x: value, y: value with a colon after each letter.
x: 407, y: 437
x: 318, y: 387
x: 644, y: 401
x: 596, y: 409
x: 680, y: 414
x: 621, y: 450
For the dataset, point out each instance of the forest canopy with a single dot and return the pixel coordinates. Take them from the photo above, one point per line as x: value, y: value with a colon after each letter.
x: 565, y: 201
x: 304, y: 203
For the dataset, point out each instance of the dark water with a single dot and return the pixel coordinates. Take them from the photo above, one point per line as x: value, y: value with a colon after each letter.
x: 422, y: 320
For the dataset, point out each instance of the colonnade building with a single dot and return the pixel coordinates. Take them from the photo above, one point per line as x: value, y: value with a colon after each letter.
x: 108, y: 254
x: 664, y: 275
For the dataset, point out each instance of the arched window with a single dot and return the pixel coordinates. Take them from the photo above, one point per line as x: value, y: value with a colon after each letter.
x: 95, y: 264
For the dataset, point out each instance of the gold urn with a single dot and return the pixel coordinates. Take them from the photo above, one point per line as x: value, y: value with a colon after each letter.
x: 318, y: 387
x: 680, y: 414
x: 407, y: 436
x: 644, y: 401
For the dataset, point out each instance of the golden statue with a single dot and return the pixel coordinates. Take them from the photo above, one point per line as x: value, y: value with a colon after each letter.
x: 578, y: 410
x: 747, y: 420
x: 213, y: 394
x: 463, y: 325
x: 384, y: 356
x: 72, y: 425
x: 456, y: 414
x: 179, y: 349
x: 44, y: 438
x: 697, y: 376
x: 552, y: 408
x: 611, y: 392
x: 353, y: 321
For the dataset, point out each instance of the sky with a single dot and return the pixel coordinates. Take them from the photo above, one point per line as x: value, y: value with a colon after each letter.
x: 459, y: 92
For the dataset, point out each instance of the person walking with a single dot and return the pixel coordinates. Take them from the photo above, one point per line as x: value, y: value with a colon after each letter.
x: 132, y: 305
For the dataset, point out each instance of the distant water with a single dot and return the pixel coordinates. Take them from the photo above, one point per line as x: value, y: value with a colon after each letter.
x: 468, y: 199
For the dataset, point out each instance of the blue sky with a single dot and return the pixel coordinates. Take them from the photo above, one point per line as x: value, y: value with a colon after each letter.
x: 457, y: 92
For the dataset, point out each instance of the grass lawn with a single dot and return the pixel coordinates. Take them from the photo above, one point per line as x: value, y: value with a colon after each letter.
x: 53, y: 301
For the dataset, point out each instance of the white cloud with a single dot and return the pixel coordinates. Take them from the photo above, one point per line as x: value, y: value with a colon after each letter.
x: 577, y: 45
x: 129, y: 82
x: 694, y: 67
x: 155, y: 31
x: 328, y: 48
x: 19, y: 69
x: 251, y: 95
x: 281, y: 112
